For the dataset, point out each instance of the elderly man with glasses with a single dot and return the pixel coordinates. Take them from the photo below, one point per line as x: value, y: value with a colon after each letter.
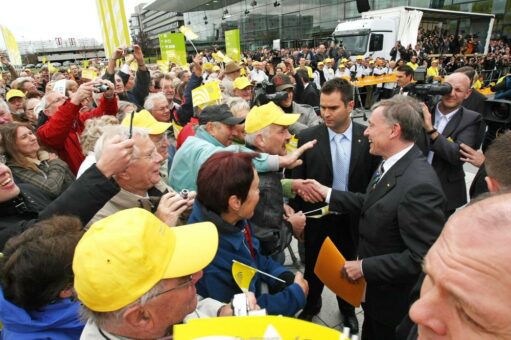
x: 63, y: 120
x: 136, y: 277
x: 140, y: 182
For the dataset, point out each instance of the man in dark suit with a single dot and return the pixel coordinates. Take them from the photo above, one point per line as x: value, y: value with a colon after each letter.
x: 450, y: 125
x: 340, y: 159
x: 401, y: 216
x: 404, y: 76
x: 310, y: 94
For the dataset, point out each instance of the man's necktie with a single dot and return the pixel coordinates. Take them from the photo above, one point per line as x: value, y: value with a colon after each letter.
x: 340, y: 164
x: 376, y: 176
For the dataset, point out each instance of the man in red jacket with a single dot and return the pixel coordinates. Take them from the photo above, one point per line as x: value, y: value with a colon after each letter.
x: 64, y: 119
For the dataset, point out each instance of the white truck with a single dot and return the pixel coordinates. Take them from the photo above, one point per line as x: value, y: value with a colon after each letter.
x: 377, y: 31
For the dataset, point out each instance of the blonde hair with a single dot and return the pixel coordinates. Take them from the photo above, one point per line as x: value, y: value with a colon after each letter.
x: 93, y: 130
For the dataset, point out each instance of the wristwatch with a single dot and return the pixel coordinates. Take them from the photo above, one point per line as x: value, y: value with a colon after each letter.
x: 430, y: 132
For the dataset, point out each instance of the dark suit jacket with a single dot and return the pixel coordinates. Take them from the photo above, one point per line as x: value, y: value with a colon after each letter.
x: 399, y: 221
x: 317, y: 164
x: 310, y: 96
x: 464, y: 127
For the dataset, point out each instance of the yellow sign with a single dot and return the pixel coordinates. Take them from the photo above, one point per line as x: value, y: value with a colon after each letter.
x: 292, y: 145
x: 114, y: 26
x: 253, y: 327
x: 243, y: 275
x: 206, y: 94
x: 12, y: 46
x: 89, y: 74
x: 85, y: 63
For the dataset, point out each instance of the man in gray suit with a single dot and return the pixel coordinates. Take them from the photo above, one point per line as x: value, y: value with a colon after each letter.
x: 447, y: 127
x: 401, y: 215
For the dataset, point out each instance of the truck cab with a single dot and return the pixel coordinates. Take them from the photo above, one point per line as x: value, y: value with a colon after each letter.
x: 367, y: 37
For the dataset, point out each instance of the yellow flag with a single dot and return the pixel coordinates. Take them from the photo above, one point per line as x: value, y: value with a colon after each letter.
x: 188, y: 33
x: 12, y: 46
x: 177, y: 128
x: 242, y: 274
x: 85, y: 63
x: 51, y: 68
x: 318, y: 213
x: 206, y: 94
x: 292, y: 145
x: 43, y: 59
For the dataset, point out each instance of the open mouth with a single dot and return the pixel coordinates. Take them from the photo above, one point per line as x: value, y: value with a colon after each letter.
x: 7, y: 183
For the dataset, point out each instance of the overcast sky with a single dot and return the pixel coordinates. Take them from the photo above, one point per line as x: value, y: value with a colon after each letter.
x: 50, y: 19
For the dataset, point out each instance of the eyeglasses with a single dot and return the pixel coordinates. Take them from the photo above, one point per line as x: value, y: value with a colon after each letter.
x: 153, y: 155
x: 58, y: 100
x: 185, y: 284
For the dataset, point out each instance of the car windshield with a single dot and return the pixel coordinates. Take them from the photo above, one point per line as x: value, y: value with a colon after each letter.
x: 354, y: 44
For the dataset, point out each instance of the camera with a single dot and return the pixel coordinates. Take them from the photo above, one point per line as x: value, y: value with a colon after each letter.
x: 265, y: 92
x: 184, y: 193
x: 101, y: 88
x: 128, y: 50
x: 424, y: 89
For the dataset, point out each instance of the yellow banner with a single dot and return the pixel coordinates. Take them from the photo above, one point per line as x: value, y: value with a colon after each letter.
x: 114, y: 26
x: 163, y: 65
x: 375, y: 80
x: 232, y: 44
x: 253, y: 327
x: 12, y: 46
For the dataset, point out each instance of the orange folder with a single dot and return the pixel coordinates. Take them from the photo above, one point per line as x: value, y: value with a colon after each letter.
x: 328, y: 268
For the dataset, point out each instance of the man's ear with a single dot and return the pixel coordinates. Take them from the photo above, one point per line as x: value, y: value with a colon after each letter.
x: 259, y: 142
x: 492, y: 183
x: 139, y: 317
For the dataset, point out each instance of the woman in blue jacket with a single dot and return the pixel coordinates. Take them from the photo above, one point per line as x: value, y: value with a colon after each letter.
x: 227, y: 194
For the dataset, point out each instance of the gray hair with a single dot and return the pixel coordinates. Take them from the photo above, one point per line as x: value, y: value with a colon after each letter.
x: 112, y: 131
x: 239, y: 106
x: 101, y: 319
x: 4, y: 106
x: 405, y: 111
x: 149, y: 102
x: 251, y: 137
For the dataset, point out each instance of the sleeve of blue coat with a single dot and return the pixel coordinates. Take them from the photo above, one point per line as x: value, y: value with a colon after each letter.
x: 263, y: 163
x: 287, y: 302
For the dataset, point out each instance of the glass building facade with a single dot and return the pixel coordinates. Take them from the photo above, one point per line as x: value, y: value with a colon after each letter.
x: 300, y: 22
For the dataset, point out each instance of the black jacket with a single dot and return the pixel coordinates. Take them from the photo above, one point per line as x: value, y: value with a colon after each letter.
x: 82, y: 199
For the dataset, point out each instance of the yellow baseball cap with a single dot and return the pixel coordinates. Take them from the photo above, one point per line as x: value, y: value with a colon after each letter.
x: 144, y: 119
x: 207, y: 66
x: 328, y: 60
x: 216, y: 68
x: 13, y: 94
x: 262, y: 116
x: 240, y: 83
x: 121, y: 257
x: 344, y: 60
x: 341, y: 65
x: 359, y: 57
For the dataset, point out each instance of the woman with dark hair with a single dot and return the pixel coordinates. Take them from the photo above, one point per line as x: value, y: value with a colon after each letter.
x: 227, y: 194
x: 32, y: 165
x: 36, y: 279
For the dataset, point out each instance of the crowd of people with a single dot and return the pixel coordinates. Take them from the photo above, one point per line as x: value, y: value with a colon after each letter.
x: 123, y: 203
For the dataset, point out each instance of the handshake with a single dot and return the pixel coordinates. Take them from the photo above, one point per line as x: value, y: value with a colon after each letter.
x: 310, y: 190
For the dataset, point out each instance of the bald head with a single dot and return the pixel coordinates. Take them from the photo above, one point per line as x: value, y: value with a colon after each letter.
x: 467, y: 277
x: 460, y: 91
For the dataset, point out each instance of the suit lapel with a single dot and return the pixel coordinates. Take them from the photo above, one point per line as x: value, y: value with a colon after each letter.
x: 324, y: 147
x: 388, y: 181
x: 453, y: 123
x: 357, y: 142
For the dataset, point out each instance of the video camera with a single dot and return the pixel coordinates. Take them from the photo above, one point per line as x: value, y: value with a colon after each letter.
x: 265, y: 92
x: 424, y: 89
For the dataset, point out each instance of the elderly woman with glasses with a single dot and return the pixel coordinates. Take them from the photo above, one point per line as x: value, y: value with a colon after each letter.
x: 31, y: 164
x: 227, y: 194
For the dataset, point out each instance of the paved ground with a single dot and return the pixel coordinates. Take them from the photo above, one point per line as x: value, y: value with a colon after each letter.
x: 329, y: 315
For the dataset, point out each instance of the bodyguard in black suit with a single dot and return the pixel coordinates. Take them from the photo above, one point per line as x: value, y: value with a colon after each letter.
x: 401, y: 216
x: 448, y: 126
x: 320, y: 164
